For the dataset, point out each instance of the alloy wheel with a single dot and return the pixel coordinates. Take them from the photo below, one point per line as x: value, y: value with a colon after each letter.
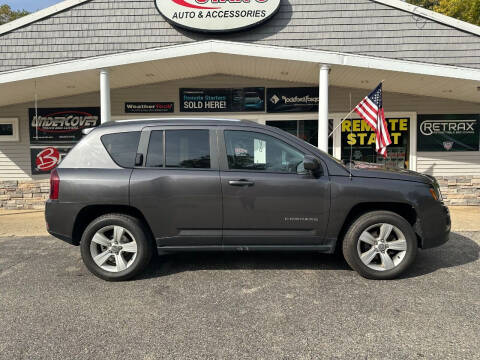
x: 113, y: 248
x: 382, y: 247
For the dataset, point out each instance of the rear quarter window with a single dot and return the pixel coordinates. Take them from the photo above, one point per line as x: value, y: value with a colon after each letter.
x: 122, y: 147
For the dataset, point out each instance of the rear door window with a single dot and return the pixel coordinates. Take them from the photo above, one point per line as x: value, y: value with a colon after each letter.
x: 122, y: 147
x: 187, y: 149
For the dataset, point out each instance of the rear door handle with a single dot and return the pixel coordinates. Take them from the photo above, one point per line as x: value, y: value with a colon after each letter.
x: 241, y: 182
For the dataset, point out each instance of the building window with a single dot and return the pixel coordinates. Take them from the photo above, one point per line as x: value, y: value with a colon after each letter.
x: 304, y: 129
x: 9, y: 129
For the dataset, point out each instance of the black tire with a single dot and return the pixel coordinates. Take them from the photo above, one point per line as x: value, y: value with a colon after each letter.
x: 136, y: 228
x: 364, y: 222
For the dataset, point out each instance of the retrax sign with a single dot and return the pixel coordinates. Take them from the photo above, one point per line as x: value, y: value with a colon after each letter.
x: 217, y: 15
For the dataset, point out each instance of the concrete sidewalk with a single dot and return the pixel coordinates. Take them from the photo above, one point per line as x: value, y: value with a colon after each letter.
x: 32, y: 222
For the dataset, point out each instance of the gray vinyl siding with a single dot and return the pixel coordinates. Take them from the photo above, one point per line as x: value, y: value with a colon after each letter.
x: 449, y: 163
x: 101, y: 27
x: 15, y: 157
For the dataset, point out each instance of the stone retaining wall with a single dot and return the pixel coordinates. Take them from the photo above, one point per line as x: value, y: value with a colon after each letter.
x: 24, y: 194
x: 458, y: 190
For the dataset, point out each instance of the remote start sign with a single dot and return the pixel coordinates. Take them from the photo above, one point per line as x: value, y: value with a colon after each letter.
x: 217, y: 15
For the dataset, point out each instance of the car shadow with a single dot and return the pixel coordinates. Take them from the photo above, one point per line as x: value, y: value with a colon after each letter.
x: 460, y: 250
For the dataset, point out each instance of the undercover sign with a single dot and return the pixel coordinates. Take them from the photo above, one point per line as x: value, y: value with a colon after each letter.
x: 448, y: 132
x: 222, y: 100
x: 217, y: 15
x: 53, y: 125
x: 298, y: 99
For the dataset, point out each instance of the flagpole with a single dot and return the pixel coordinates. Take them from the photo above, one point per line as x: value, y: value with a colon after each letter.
x: 345, y: 118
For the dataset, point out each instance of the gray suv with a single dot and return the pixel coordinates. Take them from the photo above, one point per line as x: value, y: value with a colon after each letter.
x: 130, y: 189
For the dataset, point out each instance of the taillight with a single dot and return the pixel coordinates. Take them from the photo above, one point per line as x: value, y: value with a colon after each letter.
x: 54, y: 184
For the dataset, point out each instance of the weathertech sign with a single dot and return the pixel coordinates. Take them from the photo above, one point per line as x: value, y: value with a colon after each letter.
x: 217, y: 15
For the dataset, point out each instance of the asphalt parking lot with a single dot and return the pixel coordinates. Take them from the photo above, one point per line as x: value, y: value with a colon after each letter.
x: 238, y: 306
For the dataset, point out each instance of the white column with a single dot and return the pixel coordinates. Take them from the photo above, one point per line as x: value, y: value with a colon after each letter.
x: 323, y: 108
x: 105, y: 104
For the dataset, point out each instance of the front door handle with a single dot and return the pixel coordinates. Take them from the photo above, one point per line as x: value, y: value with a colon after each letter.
x: 241, y: 182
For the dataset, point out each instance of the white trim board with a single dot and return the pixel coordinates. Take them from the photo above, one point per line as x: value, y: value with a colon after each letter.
x: 398, y: 4
x: 241, y: 49
x: 432, y: 15
x: 39, y: 15
x: 15, y: 137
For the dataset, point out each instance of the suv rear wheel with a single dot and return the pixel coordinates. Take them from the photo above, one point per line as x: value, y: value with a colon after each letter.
x: 116, y: 247
x: 380, y: 245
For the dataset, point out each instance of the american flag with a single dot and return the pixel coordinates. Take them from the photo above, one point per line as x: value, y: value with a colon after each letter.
x: 371, y: 110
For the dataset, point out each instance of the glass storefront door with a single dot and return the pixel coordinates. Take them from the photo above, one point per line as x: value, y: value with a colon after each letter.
x: 304, y: 129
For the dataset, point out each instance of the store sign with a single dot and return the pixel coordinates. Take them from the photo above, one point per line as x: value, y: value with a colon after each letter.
x: 46, y: 158
x: 217, y: 15
x: 448, y: 132
x: 222, y: 100
x: 359, y: 139
x: 298, y: 99
x: 54, y: 125
x: 149, y: 107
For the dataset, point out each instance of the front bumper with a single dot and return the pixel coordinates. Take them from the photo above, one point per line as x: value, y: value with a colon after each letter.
x: 434, y: 226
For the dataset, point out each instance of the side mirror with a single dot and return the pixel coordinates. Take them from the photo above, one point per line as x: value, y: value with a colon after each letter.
x: 310, y: 163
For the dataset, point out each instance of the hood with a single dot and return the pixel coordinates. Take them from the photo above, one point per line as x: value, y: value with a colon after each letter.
x: 380, y: 172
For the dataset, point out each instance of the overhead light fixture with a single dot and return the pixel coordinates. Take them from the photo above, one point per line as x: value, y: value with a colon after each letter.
x: 149, y: 75
x: 364, y: 82
x: 70, y: 86
x: 284, y: 73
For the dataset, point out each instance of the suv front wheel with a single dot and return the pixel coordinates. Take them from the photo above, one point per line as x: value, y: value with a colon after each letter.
x: 380, y: 245
x: 116, y: 247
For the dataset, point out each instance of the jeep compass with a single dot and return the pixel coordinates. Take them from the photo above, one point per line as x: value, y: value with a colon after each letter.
x: 133, y: 188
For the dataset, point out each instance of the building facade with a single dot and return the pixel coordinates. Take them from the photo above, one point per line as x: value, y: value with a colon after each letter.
x: 297, y: 65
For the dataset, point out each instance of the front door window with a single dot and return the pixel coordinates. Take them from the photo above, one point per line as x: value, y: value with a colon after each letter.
x: 248, y: 150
